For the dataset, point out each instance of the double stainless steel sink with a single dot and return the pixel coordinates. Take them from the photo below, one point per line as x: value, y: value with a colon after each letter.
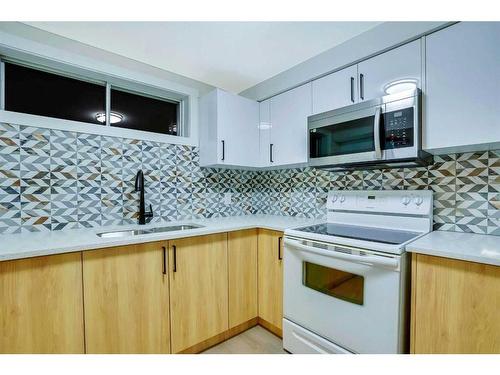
x: 138, y: 232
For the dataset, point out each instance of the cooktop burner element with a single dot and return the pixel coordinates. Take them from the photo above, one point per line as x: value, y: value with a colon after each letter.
x: 387, y: 236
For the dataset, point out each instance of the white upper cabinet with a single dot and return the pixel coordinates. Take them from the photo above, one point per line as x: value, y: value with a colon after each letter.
x: 229, y: 130
x: 265, y: 132
x: 288, y: 135
x: 335, y: 90
x: 396, y: 67
x: 462, y: 103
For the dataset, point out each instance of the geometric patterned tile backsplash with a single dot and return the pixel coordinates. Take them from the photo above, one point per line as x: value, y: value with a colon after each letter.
x: 54, y: 180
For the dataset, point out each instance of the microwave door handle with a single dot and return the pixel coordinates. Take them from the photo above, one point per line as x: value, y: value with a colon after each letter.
x: 365, y: 259
x: 376, y: 133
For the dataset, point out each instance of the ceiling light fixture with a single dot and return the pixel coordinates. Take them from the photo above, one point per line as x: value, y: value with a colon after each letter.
x: 400, y: 86
x: 113, y: 117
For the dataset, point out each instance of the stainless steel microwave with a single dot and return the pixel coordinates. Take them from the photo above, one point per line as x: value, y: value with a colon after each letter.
x: 381, y: 133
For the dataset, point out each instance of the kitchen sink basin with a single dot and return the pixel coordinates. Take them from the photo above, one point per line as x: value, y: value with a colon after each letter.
x: 137, y: 232
x: 174, y: 227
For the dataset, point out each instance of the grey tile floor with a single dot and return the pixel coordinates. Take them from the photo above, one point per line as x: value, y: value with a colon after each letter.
x: 256, y: 340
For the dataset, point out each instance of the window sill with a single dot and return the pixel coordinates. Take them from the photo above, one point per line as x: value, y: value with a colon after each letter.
x: 87, y: 128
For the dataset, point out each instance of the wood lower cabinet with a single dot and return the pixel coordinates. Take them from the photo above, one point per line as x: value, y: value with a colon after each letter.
x: 126, y: 299
x: 270, y: 279
x: 198, y: 289
x: 242, y: 269
x: 455, y: 306
x: 41, y: 305
x: 181, y: 297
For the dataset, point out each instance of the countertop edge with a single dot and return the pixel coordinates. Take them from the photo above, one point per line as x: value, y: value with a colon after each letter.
x: 467, y: 247
x: 104, y: 243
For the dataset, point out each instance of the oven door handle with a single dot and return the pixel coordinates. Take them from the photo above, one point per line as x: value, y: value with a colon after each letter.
x: 374, y: 260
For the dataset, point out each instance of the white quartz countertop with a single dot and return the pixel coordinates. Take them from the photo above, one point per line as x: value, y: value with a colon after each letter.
x: 26, y: 245
x: 480, y: 248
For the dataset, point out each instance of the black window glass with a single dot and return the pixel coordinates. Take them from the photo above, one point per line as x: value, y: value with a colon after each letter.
x: 40, y: 93
x: 139, y: 112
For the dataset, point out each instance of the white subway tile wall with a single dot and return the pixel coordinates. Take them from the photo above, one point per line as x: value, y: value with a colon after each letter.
x: 54, y: 180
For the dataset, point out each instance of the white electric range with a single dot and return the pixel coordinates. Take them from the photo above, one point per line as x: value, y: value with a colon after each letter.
x: 346, y: 281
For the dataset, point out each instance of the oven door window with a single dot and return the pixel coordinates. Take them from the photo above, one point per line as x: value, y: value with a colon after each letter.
x: 350, y: 137
x: 336, y: 283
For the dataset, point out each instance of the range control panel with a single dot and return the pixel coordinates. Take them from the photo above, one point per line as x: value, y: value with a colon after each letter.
x: 408, y: 202
x: 398, y: 129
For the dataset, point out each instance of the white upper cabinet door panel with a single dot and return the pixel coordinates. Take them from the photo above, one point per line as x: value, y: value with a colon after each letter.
x: 289, y: 112
x: 335, y: 90
x: 229, y: 133
x: 400, y: 64
x: 238, y: 120
x: 264, y: 132
x: 463, y: 87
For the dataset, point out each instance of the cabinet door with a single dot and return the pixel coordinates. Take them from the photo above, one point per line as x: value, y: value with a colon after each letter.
x: 242, y: 267
x: 264, y: 132
x: 462, y: 102
x: 400, y: 64
x: 229, y: 132
x: 270, y: 281
x: 41, y: 305
x: 126, y: 299
x: 289, y: 112
x: 238, y: 120
x: 455, y: 306
x: 198, y: 289
x: 335, y: 90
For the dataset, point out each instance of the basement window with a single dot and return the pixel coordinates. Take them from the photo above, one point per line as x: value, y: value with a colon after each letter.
x: 48, y: 93
x: 140, y: 112
x: 45, y: 94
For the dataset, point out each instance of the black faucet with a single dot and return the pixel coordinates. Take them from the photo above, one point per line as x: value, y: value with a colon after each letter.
x: 144, y: 217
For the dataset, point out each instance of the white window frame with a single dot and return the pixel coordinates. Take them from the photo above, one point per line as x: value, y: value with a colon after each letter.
x: 187, y: 134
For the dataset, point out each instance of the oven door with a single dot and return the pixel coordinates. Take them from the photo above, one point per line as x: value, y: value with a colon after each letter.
x: 349, y: 296
x: 352, y: 137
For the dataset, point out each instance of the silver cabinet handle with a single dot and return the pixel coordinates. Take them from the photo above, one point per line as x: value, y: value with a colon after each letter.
x: 271, y: 153
x: 376, y: 133
x: 223, y: 150
x: 362, y: 86
x: 352, y: 89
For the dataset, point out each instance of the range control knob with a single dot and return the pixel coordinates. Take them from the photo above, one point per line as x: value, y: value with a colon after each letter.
x: 405, y: 200
x: 342, y: 198
x: 334, y: 198
x: 418, y: 200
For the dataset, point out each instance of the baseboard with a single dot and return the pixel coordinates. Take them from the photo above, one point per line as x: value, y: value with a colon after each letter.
x: 217, y: 339
x: 271, y: 327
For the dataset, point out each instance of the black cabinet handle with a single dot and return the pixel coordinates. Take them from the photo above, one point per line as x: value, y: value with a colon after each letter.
x: 164, y: 260
x: 271, y: 153
x: 223, y: 150
x: 279, y: 248
x: 362, y: 86
x: 352, y: 89
x: 175, y: 257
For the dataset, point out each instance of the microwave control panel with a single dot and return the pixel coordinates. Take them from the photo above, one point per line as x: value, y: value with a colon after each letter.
x: 398, y: 128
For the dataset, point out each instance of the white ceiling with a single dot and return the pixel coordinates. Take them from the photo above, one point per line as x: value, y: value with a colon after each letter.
x: 230, y: 55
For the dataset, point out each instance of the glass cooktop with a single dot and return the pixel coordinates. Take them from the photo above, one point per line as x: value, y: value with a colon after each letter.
x: 386, y: 236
